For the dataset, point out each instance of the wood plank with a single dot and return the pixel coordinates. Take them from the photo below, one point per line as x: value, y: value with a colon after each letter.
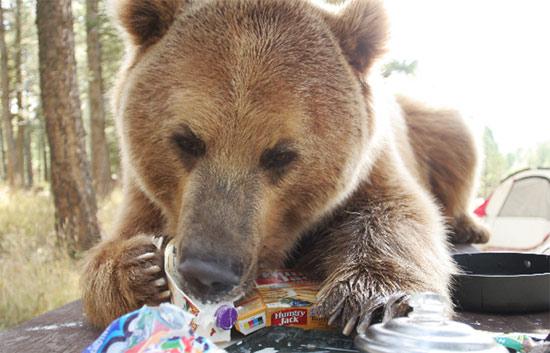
x: 528, y: 323
x: 61, y: 330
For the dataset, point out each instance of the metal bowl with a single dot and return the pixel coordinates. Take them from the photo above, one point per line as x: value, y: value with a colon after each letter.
x: 503, y: 282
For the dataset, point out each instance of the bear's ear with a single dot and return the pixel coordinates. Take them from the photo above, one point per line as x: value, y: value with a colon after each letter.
x: 146, y: 21
x: 361, y: 27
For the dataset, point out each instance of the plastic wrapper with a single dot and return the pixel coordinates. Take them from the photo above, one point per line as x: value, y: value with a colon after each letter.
x: 164, y: 329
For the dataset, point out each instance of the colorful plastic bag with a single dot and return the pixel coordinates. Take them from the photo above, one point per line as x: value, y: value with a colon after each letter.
x: 163, y: 329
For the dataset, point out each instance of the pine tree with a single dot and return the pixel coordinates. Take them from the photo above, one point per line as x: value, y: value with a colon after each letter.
x: 101, y: 167
x: 11, y: 155
x: 74, y: 199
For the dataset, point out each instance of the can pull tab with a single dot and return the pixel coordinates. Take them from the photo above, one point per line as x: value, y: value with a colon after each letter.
x: 428, y: 308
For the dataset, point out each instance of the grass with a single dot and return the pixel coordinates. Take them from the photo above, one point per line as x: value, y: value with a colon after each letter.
x: 36, y: 276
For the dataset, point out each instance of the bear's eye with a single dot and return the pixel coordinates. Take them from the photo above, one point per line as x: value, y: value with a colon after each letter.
x: 276, y: 159
x: 189, y: 144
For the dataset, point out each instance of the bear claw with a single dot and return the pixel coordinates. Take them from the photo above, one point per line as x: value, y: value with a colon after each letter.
x: 351, y: 312
x: 146, y: 256
x: 152, y: 269
x: 394, y: 305
x: 161, y: 282
x: 141, y: 273
x: 350, y: 325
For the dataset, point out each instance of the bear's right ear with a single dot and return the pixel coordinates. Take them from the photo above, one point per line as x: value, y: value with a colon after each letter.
x: 146, y: 21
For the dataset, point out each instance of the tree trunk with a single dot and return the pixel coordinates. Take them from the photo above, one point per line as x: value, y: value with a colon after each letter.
x: 2, y: 156
x: 28, y: 157
x: 23, y: 137
x: 20, y: 119
x: 43, y: 150
x: 20, y: 151
x: 75, y: 203
x: 6, y: 113
x: 101, y: 166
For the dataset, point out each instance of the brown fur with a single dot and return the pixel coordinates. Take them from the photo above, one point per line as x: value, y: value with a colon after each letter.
x: 147, y: 21
x: 446, y: 154
x: 217, y: 94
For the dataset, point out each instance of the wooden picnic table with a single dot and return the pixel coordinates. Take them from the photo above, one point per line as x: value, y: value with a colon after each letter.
x: 65, y: 330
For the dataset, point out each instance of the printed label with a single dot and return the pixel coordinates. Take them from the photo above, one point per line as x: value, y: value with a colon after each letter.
x: 289, y: 317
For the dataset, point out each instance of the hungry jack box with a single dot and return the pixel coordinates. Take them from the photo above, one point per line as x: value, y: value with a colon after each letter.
x: 279, y: 298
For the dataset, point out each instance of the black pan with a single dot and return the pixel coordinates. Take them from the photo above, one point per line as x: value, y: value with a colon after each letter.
x: 503, y: 282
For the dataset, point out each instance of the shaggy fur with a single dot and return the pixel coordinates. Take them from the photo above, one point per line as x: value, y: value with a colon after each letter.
x: 249, y: 127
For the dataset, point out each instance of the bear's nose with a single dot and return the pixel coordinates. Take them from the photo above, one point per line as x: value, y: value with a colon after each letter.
x: 207, y: 278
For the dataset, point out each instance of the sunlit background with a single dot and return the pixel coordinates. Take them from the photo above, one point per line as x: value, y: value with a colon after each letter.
x: 491, y: 58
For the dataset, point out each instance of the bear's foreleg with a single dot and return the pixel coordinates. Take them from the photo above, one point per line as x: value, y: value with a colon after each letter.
x: 386, y: 243
x: 126, y: 271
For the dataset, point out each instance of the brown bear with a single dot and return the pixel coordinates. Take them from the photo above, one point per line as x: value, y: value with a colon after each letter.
x: 253, y: 132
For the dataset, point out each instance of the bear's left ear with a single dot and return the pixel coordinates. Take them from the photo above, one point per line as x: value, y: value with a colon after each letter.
x: 146, y: 21
x: 361, y: 27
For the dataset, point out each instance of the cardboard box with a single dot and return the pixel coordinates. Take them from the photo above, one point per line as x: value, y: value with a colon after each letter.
x: 280, y: 298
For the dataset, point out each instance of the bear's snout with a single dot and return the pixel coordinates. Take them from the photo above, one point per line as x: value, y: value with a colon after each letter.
x: 209, y: 279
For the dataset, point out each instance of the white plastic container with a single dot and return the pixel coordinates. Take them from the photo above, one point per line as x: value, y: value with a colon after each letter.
x: 211, y: 320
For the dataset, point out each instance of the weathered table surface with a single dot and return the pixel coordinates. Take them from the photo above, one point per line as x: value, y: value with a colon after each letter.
x: 66, y: 330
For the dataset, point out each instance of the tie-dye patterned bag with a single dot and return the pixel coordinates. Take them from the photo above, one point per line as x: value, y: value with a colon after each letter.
x: 163, y: 329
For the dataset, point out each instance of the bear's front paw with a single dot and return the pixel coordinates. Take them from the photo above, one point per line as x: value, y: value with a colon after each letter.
x: 349, y: 308
x: 140, y: 273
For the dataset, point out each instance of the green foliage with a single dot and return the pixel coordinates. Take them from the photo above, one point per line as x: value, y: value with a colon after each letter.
x: 29, y: 68
x: 540, y: 156
x: 403, y: 66
x: 497, y: 166
x: 112, y: 50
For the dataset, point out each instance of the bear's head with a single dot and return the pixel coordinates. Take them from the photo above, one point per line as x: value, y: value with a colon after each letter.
x: 245, y: 122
